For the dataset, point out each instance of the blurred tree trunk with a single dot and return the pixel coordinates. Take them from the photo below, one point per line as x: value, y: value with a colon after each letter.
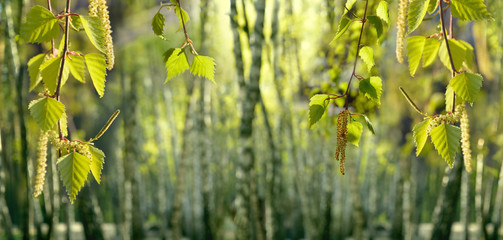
x: 90, y: 214
x: 398, y: 211
x: 5, y: 220
x: 465, y: 204
x: 479, y: 205
x: 445, y: 211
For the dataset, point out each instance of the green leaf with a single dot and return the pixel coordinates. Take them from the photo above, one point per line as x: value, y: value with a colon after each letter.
x: 176, y: 62
x: 77, y: 68
x: 76, y: 22
x: 420, y: 135
x: 97, y: 163
x: 430, y: 51
x: 417, y: 10
x: 348, y: 5
x: 96, y: 65
x: 203, y: 66
x: 467, y: 85
x: 49, y: 70
x: 369, y: 124
x: 64, y: 124
x: 94, y: 31
x: 372, y: 88
x: 33, y: 70
x: 468, y: 54
x: 382, y: 11
x: 415, y: 47
x: 376, y: 22
x: 469, y: 10
x: 46, y: 112
x: 355, y: 132
x: 343, y: 26
x: 73, y: 169
x: 458, y: 54
x: 445, y: 138
x: 158, y: 24
x: 183, y: 14
x: 317, y: 106
x: 367, y: 55
x: 40, y: 26
x: 432, y: 6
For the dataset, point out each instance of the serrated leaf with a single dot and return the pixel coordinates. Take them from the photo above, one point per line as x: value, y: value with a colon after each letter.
x: 76, y: 22
x: 40, y: 26
x: 317, y: 106
x: 420, y: 135
x: 64, y: 124
x: 376, y: 22
x: 432, y: 6
x: 355, y: 130
x: 46, y: 112
x: 449, y: 95
x: 158, y: 24
x: 466, y: 85
x: 430, y: 51
x: 33, y: 70
x: 348, y: 5
x: 77, y: 67
x: 458, y: 54
x: 372, y: 88
x: 96, y: 65
x: 446, y: 139
x: 73, y: 169
x: 176, y: 62
x: 415, y: 47
x: 417, y: 10
x: 94, y: 31
x: 369, y: 124
x: 49, y: 70
x: 183, y: 14
x: 97, y: 163
x: 203, y: 66
x: 469, y: 10
x: 343, y: 26
x: 468, y: 53
x: 367, y: 55
x: 382, y: 11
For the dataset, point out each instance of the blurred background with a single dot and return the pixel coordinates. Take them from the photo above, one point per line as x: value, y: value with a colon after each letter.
x: 183, y: 161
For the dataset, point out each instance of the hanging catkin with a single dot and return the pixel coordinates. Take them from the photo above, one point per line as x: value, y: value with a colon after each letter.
x: 465, y: 140
x: 98, y: 8
x: 342, y: 138
x: 400, y: 28
x: 38, y: 184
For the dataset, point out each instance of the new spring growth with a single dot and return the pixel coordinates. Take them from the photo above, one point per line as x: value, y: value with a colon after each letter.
x: 400, y: 29
x: 98, y: 8
x: 38, y: 184
x: 342, y: 138
x: 465, y: 140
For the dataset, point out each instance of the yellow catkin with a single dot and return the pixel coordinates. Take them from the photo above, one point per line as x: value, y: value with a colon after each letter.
x: 342, y: 138
x: 38, y: 184
x: 109, y: 45
x: 400, y: 29
x: 465, y: 140
x: 93, y: 8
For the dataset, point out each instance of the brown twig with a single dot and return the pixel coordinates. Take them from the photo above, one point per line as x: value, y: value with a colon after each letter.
x: 448, y: 50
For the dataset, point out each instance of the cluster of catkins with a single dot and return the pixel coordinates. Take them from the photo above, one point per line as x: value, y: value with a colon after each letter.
x: 63, y: 145
x: 342, y: 138
x: 400, y: 28
x: 460, y: 116
x: 98, y: 8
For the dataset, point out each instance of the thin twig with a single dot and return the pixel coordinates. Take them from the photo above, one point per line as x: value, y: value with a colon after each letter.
x: 448, y: 51
x: 49, y: 6
x: 183, y: 22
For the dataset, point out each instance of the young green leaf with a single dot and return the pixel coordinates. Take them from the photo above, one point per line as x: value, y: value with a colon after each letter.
x: 382, y: 11
x: 369, y: 124
x: 467, y: 85
x: 415, y: 47
x: 372, y: 88
x: 367, y: 55
x: 33, y: 70
x: 432, y: 6
x: 430, y: 51
x: 355, y: 130
x: 95, y: 32
x: 183, y: 14
x: 446, y: 139
x: 76, y: 22
x: 317, y: 106
x: 449, y: 95
x: 46, y: 112
x: 420, y: 135
x: 40, y: 26
x: 417, y: 10
x: 376, y: 22
x: 96, y: 65
x: 77, y: 68
x: 458, y: 52
x: 348, y: 5
x: 63, y: 123
x: 176, y: 62
x: 158, y: 24
x: 343, y: 26
x: 49, y: 70
x: 73, y: 169
x: 97, y: 163
x: 203, y: 66
x: 469, y: 10
x: 468, y: 54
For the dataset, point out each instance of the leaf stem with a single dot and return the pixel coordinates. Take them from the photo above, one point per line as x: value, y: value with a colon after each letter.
x: 357, y: 52
x: 49, y: 6
x: 448, y: 49
x: 183, y: 22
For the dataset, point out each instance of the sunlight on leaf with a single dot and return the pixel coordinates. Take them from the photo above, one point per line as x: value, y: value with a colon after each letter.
x: 40, y: 26
x: 446, y: 139
x: 420, y: 135
x: 46, y: 112
x: 73, y: 169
